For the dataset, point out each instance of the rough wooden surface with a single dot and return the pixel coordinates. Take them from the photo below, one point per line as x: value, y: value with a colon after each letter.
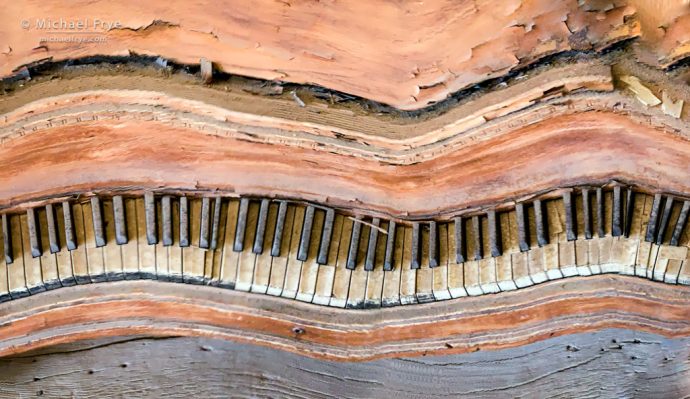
x: 405, y: 54
x: 461, y: 325
x: 612, y: 363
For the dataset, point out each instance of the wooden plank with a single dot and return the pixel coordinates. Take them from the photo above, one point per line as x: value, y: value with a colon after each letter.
x: 193, y: 257
x: 34, y: 233
x: 510, y: 245
x: 665, y: 217
x: 112, y: 253
x: 540, y: 223
x: 391, y: 276
x: 471, y: 267
x: 370, y: 257
x: 645, y: 247
x: 268, y: 215
x: 32, y: 265
x: 130, y: 250
x: 205, y: 224
x: 654, y: 216
x: 7, y: 239
x: 146, y: 232
x: 617, y: 212
x: 310, y: 267
x: 522, y: 227
x: 51, y: 227
x: 342, y: 275
x: 49, y: 266
x: 120, y: 220
x: 162, y: 266
x: 326, y: 274
x: 280, y: 249
x: 587, y: 214
x: 294, y: 265
x: 555, y: 218
x: 408, y: 276
x: 358, y: 279
x: 4, y: 283
x: 601, y: 223
x: 535, y: 263
x: 94, y: 253
x: 228, y: 268
x: 241, y: 227
x: 74, y: 222
x: 305, y: 236
x: 167, y: 220
x: 63, y: 257
x: 247, y: 259
x: 456, y: 270
x: 175, y: 250
x: 440, y: 273
x: 375, y: 276
x: 680, y: 223
x: 15, y: 271
x: 425, y: 278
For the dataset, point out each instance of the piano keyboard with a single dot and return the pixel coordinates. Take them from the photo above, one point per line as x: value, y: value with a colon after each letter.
x: 316, y: 254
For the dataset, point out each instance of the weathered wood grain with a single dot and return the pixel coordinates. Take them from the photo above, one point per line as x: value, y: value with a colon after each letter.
x: 613, y: 363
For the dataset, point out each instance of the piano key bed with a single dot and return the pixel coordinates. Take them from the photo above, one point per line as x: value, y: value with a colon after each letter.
x: 313, y: 253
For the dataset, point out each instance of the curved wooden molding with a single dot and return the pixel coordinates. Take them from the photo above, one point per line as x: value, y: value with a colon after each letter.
x: 469, y: 324
x: 509, y: 158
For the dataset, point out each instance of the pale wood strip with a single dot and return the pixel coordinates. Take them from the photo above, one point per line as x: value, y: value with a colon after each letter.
x: 63, y: 257
x: 456, y: 271
x: 425, y: 277
x: 645, y: 247
x: 391, y: 278
x: 341, y: 279
x: 510, y: 245
x: 516, y: 255
x: 175, y: 250
x: 220, y: 214
x: 145, y: 234
x: 4, y: 282
x: 294, y: 265
x: 15, y: 271
x: 555, y: 220
x: 310, y: 267
x: 49, y: 267
x: 94, y: 253
x: 358, y: 279
x: 666, y: 254
x: 326, y: 274
x: 593, y: 256
x: 535, y: 263
x: 228, y: 272
x: 672, y: 271
x: 684, y: 273
x: 279, y: 263
x: 374, y: 294
x: 161, y: 252
x: 130, y: 250
x: 440, y: 273
x: 80, y: 264
x: 471, y: 267
x: 264, y: 260
x: 32, y: 265
x: 247, y: 260
x: 112, y: 253
x: 408, y: 276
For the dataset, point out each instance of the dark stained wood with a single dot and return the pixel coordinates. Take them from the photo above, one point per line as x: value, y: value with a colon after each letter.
x: 570, y: 219
x: 215, y: 224
x: 433, y: 244
x: 540, y: 221
x: 120, y: 220
x: 258, y: 247
x: 680, y: 223
x: 477, y: 234
x: 150, y: 211
x: 494, y: 234
x: 617, y: 220
x: 326, y: 234
x: 458, y: 225
x: 629, y: 209
x: 7, y: 239
x: 34, y: 234
x: 205, y: 223
x: 601, y: 228
x: 650, y: 236
x: 522, y: 227
x: 371, y: 245
x: 389, y: 259
x: 166, y: 212
x: 586, y: 213
x: 184, y: 222
x: 305, y: 236
x: 53, y: 240
x: 353, y: 249
x: 241, y: 225
x: 97, y: 216
x: 665, y: 216
x: 69, y: 226
x: 280, y: 226
x: 416, y: 250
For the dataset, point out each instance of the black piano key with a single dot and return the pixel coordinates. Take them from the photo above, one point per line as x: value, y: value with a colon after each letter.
x: 477, y: 230
x: 680, y: 223
x: 305, y: 237
x: 650, y: 236
x: 354, y: 245
x: 371, y: 248
x: 586, y: 213
x: 34, y: 234
x: 617, y: 220
x: 69, y: 226
x: 120, y: 220
x: 664, y: 220
x: 166, y: 214
x: 215, y: 225
x: 629, y: 208
x: 150, y: 209
x: 325, y: 244
x: 600, y: 213
x: 261, y: 227
x: 522, y: 232
x: 416, y: 246
x: 53, y: 240
x: 205, y: 225
x: 184, y: 222
x: 97, y: 216
x: 433, y: 244
x: 570, y: 218
x: 459, y: 240
x: 241, y: 225
x: 7, y: 239
x: 542, y: 228
x: 390, y: 247
x: 494, y: 234
x: 280, y: 226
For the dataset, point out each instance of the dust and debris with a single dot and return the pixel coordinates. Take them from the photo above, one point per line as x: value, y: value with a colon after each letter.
x: 670, y: 107
x: 642, y: 92
x: 298, y: 100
